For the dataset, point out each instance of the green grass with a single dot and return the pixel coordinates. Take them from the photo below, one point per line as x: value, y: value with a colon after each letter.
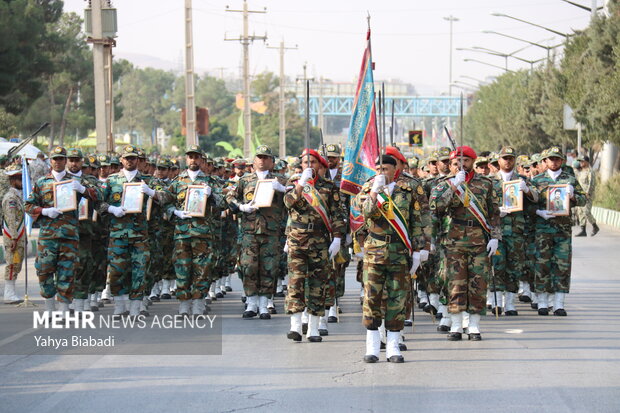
x: 608, y: 195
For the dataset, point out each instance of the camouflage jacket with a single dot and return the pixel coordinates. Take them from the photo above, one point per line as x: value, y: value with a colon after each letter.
x: 515, y: 223
x: 302, y: 215
x: 4, y: 185
x: 195, y: 227
x: 405, y: 196
x: 42, y: 196
x: 271, y: 220
x: 88, y: 226
x: 542, y: 182
x: 461, y: 226
x: 129, y: 225
x: 587, y: 181
x: 13, y: 214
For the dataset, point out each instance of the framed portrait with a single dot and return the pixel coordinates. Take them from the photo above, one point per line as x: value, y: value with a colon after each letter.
x: 558, y: 201
x: 512, y: 197
x: 64, y: 196
x: 263, y: 193
x: 196, y: 200
x: 149, y: 208
x: 83, y: 209
x: 132, y: 197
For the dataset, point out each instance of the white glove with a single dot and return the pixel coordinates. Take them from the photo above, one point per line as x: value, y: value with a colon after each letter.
x: 503, y: 212
x: 247, y: 208
x: 459, y: 178
x: 116, y: 211
x: 78, y: 187
x: 416, y: 263
x: 208, y: 190
x: 306, y: 175
x: 181, y: 214
x: 285, y: 248
x: 378, y: 183
x: 348, y: 240
x: 334, y: 248
x: 544, y: 214
x: 524, y: 188
x: 277, y: 186
x: 360, y: 255
x: 223, y: 214
x: 492, y: 247
x: 424, y: 255
x: 433, y: 248
x: 571, y: 191
x: 51, y: 212
x: 147, y: 190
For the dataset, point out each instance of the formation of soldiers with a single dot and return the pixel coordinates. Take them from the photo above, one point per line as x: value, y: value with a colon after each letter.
x: 436, y: 232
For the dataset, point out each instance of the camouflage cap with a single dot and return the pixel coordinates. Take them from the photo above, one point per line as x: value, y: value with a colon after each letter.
x: 332, y: 150
x: 193, y: 149
x: 141, y: 154
x: 264, y: 150
x: 535, y: 158
x: 443, y: 154
x: 130, y: 151
x: 104, y: 160
x: 523, y: 160
x: 164, y: 163
x: 114, y: 160
x: 174, y: 164
x: 85, y: 163
x: 555, y: 152
x: 432, y: 157
x: 238, y: 163
x: 413, y: 162
x: 152, y: 160
x: 12, y: 170
x: 543, y: 155
x: 58, y: 152
x: 74, y: 153
x: 94, y: 162
x: 507, y: 151
x: 493, y: 157
x: 480, y: 160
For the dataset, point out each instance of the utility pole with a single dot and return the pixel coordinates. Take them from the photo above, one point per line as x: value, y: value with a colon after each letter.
x: 190, y: 104
x: 245, y: 41
x: 451, y: 19
x: 282, y: 143
x: 305, y: 80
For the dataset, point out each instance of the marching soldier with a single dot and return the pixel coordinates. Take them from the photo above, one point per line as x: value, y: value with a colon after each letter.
x: 57, y: 248
x: 315, y: 229
x: 13, y: 233
x: 587, y: 181
x: 261, y: 229
x: 472, y: 237
x: 553, y: 234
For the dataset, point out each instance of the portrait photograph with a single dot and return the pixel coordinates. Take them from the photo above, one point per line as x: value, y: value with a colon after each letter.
x: 512, y: 197
x: 558, y: 201
x: 196, y: 200
x: 132, y: 197
x: 83, y: 209
x: 263, y: 193
x: 64, y: 196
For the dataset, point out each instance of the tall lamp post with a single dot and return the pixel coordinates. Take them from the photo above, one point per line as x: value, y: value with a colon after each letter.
x: 488, y: 64
x: 547, y: 48
x: 451, y: 19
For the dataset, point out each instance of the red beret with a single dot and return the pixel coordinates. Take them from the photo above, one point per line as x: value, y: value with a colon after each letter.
x: 467, y: 151
x: 314, y: 153
x: 394, y: 152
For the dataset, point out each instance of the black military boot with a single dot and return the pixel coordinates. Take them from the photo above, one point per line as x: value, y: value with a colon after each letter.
x: 583, y: 232
x: 595, y: 229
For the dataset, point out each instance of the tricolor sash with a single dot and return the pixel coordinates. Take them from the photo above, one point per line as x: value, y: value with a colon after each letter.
x: 318, y: 204
x: 20, y: 230
x: 396, y: 219
x: 474, y: 206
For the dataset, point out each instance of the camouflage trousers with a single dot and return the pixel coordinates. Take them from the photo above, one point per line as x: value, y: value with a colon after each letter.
x: 391, y: 279
x: 529, y: 262
x: 14, y: 259
x: 166, y: 271
x: 584, y: 214
x: 259, y: 263
x: 335, y: 284
x: 100, y: 259
x: 55, y: 264
x: 509, y: 263
x: 307, y: 268
x: 128, y: 260
x: 85, y: 268
x: 467, y: 267
x: 553, y: 263
x: 156, y: 260
x: 436, y: 281
x: 193, y: 263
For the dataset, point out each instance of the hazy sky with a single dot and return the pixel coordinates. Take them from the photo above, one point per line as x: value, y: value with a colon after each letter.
x: 410, y: 39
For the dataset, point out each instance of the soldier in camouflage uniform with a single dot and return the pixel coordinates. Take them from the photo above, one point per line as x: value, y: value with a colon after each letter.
x: 261, y: 230
x: 553, y: 235
x: 13, y: 232
x: 388, y: 258
x: 57, y: 248
x: 99, y: 241
x: 128, y: 248
x: 466, y: 243
x: 194, y: 236
x: 314, y: 207
x: 587, y: 180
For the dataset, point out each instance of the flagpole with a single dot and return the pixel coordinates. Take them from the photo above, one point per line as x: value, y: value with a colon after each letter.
x: 26, y: 181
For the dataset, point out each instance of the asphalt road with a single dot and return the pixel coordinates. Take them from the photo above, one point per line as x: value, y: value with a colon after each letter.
x: 524, y: 364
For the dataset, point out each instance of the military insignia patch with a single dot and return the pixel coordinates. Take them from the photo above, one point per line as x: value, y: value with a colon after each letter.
x: 58, y: 149
x: 49, y: 196
x: 92, y: 159
x: 249, y: 196
x: 116, y: 197
x: 433, y: 205
x: 416, y: 206
x: 129, y: 148
x: 420, y: 190
x: 181, y: 196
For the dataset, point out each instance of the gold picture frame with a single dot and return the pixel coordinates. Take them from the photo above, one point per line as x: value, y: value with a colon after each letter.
x: 512, y: 196
x: 263, y: 193
x: 133, y: 198
x: 558, y: 200
x: 64, y: 196
x: 196, y: 200
x: 83, y: 209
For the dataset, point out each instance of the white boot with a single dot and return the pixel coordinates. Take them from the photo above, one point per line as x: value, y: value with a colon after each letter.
x: 144, y: 306
x: 227, y: 286
x: 373, y: 346
x: 457, y: 323
x: 271, y: 306
x: 134, y: 307
x: 184, y: 307
x: 474, y: 327
x: 382, y: 332
x: 10, y: 297
x: 295, y: 331
x: 91, y: 303
x: 489, y: 298
x: 542, y: 300
x: 212, y: 292
x: 64, y: 308
x: 78, y: 305
x: 551, y: 300
x: 520, y: 290
x: 332, y: 316
x: 165, y: 290
x: 304, y: 316
x: 434, y: 300
x: 198, y: 306
x: 423, y: 297
x: 392, y: 350
x: 509, y: 303
x: 50, y: 306
x: 465, y: 321
x: 445, y: 322
x: 313, y: 328
x: 155, y: 291
x: 262, y: 307
x: 98, y: 299
x: 534, y: 298
x: 119, y: 305
x: 279, y: 288
x: 106, y: 294
x: 527, y: 292
x: 558, y: 303
x: 323, y: 326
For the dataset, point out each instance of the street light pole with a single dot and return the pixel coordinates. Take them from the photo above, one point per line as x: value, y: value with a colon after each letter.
x: 547, y: 48
x: 451, y: 19
x: 565, y: 35
x: 488, y: 64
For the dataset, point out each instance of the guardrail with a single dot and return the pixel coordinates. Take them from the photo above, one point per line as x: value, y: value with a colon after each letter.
x: 606, y: 216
